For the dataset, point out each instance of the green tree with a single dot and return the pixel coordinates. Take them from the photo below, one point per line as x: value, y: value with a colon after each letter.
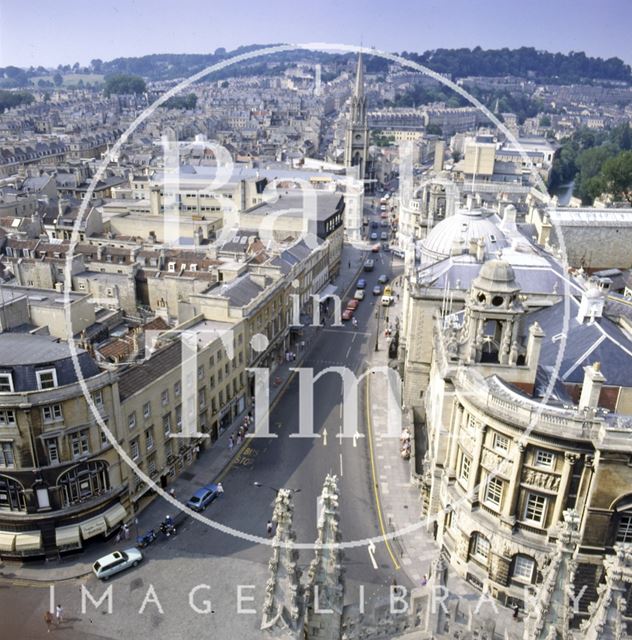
x: 125, y: 84
x: 545, y: 121
x: 58, y: 79
x: 616, y: 176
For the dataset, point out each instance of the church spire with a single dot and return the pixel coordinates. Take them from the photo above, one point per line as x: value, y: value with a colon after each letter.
x: 359, y: 82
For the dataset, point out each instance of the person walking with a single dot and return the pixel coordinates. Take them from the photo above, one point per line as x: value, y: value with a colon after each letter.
x: 126, y: 532
x: 220, y: 490
x: 172, y: 492
x: 48, y: 619
x: 269, y: 527
x: 231, y: 442
x: 59, y: 614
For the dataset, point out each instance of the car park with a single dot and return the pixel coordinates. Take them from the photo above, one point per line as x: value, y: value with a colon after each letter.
x: 203, y: 497
x: 377, y: 290
x: 361, y: 284
x: 116, y: 562
x: 359, y: 294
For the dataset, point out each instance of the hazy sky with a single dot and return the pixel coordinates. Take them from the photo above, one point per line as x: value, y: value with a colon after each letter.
x: 67, y: 31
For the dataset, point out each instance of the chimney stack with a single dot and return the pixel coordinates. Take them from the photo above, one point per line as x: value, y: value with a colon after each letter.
x: 591, y: 388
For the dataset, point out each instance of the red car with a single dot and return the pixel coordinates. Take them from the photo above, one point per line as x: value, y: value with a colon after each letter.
x: 376, y: 248
x: 347, y: 314
x: 353, y: 304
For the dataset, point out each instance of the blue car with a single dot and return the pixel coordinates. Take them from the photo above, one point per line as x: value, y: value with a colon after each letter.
x: 361, y: 284
x: 203, y: 497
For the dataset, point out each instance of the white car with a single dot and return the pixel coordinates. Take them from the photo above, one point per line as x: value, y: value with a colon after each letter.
x: 359, y: 294
x: 115, y: 562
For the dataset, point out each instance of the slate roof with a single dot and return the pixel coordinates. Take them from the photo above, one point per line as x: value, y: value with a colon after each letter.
x: 602, y: 341
x: 138, y: 377
x: 23, y: 355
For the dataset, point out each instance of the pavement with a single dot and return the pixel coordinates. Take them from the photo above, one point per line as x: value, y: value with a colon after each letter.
x: 400, y: 500
x: 213, y: 464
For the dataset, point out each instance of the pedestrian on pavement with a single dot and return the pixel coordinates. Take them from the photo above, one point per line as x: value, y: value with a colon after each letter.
x: 424, y: 580
x: 119, y: 535
x: 126, y: 532
x: 48, y: 619
x: 516, y: 611
x: 349, y: 264
x: 172, y: 492
x: 197, y: 451
x: 220, y: 489
x: 59, y: 614
x: 269, y: 527
x: 231, y: 442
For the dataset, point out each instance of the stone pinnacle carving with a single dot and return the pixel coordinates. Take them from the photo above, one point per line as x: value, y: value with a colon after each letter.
x: 283, y: 604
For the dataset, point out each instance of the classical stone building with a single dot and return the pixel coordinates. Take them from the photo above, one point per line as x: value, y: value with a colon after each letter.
x: 527, y: 415
x: 61, y: 482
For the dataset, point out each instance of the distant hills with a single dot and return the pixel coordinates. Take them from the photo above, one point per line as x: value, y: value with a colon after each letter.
x: 543, y: 66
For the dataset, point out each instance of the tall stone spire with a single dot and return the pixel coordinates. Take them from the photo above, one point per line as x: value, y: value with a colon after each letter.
x: 358, y: 91
x: 325, y: 588
x: 549, y: 616
x: 283, y: 604
x: 357, y: 131
x: 606, y: 621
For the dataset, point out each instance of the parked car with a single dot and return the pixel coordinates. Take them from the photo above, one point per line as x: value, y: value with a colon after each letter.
x: 375, y: 248
x: 116, y: 562
x: 359, y: 294
x: 368, y: 265
x: 377, y: 290
x: 383, y: 279
x: 384, y: 235
x: 361, y: 284
x: 374, y: 236
x: 387, y: 298
x: 374, y: 224
x: 347, y: 314
x: 203, y: 497
x: 353, y: 304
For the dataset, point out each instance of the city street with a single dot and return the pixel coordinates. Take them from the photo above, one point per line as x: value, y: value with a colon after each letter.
x: 200, y: 555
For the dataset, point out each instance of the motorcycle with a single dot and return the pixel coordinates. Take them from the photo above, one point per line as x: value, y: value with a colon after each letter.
x: 147, y: 539
x: 167, y: 528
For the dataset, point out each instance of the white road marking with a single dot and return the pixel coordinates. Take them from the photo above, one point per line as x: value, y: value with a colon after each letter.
x: 371, y: 549
x: 341, y: 465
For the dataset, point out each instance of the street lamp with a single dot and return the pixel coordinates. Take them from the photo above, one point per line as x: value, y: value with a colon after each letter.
x: 265, y: 486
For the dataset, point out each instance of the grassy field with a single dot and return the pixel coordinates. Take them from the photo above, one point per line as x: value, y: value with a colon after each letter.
x: 72, y: 79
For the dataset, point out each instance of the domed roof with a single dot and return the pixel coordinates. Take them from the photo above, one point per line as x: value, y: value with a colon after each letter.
x: 463, y: 226
x: 496, y: 275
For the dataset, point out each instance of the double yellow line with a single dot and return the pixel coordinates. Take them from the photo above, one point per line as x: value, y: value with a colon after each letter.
x: 376, y: 491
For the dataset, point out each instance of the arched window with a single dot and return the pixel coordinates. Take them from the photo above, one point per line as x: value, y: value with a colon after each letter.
x: 11, y: 494
x: 84, y: 481
x: 523, y: 568
x: 479, y: 548
x: 622, y: 521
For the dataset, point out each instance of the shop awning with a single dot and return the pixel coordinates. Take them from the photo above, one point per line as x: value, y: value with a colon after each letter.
x: 115, y: 515
x: 28, y: 541
x: 93, y: 527
x: 7, y: 539
x: 328, y: 290
x: 66, y: 536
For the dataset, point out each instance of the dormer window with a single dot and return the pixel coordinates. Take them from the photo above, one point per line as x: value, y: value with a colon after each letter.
x: 6, y: 383
x: 46, y: 379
